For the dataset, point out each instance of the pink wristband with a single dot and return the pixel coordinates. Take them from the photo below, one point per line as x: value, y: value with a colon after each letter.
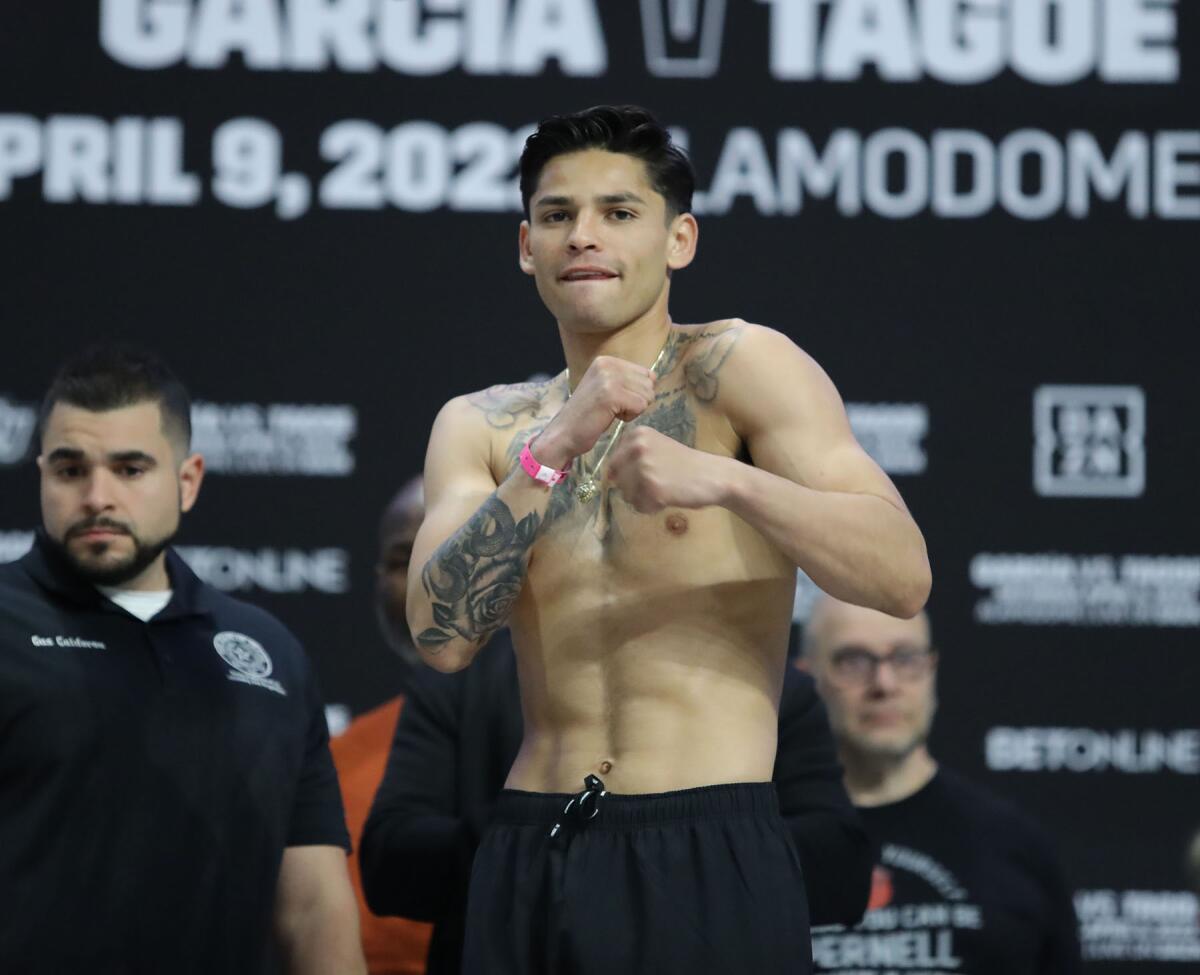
x: 539, y: 472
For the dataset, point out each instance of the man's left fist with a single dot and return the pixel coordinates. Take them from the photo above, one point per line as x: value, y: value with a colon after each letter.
x: 653, y: 472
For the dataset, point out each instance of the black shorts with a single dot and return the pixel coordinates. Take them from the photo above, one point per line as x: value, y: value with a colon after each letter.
x: 697, y: 881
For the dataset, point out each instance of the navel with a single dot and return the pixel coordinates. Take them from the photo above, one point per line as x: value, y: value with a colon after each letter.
x: 605, y: 767
x: 677, y: 524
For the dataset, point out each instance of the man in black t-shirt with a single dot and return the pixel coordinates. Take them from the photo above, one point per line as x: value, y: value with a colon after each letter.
x: 965, y: 882
x: 168, y: 798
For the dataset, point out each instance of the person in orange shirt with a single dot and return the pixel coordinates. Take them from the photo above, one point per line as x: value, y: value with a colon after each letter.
x: 392, y: 945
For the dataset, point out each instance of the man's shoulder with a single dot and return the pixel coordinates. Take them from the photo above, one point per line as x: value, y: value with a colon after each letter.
x: 753, y: 356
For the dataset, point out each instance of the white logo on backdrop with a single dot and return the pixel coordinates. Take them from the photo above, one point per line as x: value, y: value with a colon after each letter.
x: 17, y: 423
x: 683, y: 37
x: 1087, y: 590
x: 1088, y: 750
x: 250, y: 662
x: 892, y: 433
x: 1089, y: 441
x: 13, y: 545
x: 1138, y: 925
x: 271, y: 570
x: 276, y: 439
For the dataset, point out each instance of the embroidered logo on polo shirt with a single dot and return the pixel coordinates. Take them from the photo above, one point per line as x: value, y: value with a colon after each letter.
x: 250, y: 662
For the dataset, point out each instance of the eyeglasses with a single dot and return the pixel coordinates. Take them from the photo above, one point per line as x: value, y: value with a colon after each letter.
x: 857, y: 665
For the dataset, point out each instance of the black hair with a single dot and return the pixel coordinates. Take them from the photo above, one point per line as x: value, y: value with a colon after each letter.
x: 626, y: 129
x: 108, y: 377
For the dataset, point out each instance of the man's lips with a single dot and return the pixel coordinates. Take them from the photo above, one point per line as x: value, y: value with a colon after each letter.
x: 587, y: 273
x: 97, y: 532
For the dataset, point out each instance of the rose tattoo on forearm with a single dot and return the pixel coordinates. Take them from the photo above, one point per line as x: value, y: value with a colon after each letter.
x: 475, y: 577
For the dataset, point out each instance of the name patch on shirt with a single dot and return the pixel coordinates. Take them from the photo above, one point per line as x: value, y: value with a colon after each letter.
x: 68, y: 641
x: 250, y: 662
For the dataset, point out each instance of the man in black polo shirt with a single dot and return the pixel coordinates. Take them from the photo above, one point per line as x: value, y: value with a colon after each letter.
x: 966, y: 883
x: 166, y: 793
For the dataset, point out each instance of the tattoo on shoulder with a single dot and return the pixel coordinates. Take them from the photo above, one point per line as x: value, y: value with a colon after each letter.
x: 502, y: 406
x: 475, y: 577
x: 710, y: 354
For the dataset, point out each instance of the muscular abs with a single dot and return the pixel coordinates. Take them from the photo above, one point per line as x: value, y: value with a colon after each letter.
x: 650, y: 647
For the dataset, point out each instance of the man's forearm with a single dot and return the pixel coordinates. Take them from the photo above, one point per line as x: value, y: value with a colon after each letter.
x: 473, y: 579
x: 322, y: 941
x: 858, y: 547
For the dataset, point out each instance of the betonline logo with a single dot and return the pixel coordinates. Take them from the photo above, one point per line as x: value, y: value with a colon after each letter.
x: 270, y: 570
x: 1087, y: 750
x: 246, y: 438
x: 1089, y: 441
x: 1048, y: 42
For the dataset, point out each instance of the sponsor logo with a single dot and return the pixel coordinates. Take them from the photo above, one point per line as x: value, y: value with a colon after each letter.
x: 1138, y: 925
x: 1089, y: 441
x: 276, y: 439
x: 17, y: 423
x: 249, y: 662
x: 1087, y: 750
x: 70, y: 642
x: 1087, y: 590
x: 892, y: 433
x: 13, y: 545
x: 270, y: 570
x: 683, y: 37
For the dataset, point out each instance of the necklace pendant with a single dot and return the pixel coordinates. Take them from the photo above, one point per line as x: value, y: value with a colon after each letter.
x: 586, y: 490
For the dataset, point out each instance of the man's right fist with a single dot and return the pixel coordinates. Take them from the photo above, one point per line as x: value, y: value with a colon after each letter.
x: 611, y: 389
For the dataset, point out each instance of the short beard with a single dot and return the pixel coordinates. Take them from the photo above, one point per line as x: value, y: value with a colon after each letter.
x: 143, y: 554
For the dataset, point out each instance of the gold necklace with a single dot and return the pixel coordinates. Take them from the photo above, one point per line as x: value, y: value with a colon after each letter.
x: 588, y: 487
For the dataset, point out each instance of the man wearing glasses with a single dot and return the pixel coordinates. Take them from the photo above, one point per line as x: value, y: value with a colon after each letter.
x: 965, y: 881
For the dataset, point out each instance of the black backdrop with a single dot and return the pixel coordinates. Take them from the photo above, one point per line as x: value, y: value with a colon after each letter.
x: 310, y: 208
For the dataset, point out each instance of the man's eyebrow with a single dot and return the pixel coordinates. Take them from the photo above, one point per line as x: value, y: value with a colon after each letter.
x: 625, y: 197
x: 132, y: 457
x: 65, y: 453
x: 607, y: 198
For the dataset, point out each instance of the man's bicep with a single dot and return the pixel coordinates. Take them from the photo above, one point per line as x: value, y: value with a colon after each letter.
x: 794, y: 424
x: 458, y: 478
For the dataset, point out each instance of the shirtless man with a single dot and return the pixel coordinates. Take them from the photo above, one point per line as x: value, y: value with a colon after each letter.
x: 650, y: 615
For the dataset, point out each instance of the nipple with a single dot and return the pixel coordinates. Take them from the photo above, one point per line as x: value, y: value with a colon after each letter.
x: 677, y: 524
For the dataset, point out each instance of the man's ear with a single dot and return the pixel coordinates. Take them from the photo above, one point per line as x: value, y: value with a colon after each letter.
x: 682, y: 237
x: 524, y: 252
x: 191, y: 473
